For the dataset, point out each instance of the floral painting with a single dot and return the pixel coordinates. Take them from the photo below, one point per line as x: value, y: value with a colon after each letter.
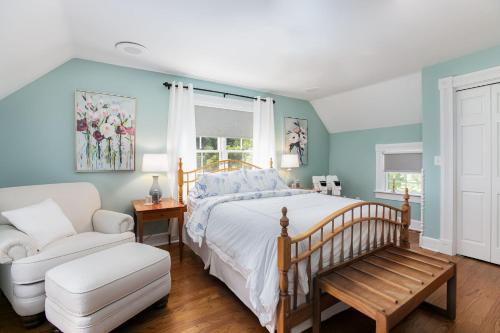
x: 296, y: 138
x: 105, y: 132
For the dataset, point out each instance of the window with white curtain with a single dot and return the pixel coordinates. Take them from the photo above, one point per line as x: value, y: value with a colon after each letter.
x: 223, y: 134
x: 398, y: 166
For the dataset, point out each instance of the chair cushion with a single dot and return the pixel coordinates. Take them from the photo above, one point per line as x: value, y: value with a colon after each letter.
x: 86, y: 285
x: 32, y: 269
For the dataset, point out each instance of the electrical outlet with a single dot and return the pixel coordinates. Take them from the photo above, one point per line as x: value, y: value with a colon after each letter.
x: 437, y: 160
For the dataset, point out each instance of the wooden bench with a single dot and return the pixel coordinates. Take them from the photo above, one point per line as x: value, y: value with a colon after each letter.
x: 387, y: 284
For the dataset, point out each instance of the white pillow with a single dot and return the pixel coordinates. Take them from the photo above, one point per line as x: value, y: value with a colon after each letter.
x: 45, y: 222
x: 265, y: 180
x: 210, y: 184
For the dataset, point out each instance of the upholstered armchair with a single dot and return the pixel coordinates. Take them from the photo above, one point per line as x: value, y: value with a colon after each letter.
x: 23, y: 265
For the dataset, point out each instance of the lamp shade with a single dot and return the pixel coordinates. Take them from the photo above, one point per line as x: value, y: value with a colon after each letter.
x: 289, y: 161
x: 154, y: 163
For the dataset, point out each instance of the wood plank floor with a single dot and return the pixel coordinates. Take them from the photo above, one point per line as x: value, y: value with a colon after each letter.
x: 201, y: 303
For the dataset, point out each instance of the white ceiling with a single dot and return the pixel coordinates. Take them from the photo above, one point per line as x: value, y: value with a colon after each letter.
x: 279, y: 46
x: 389, y: 103
x: 34, y: 39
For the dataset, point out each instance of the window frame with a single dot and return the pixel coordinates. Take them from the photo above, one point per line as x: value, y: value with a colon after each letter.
x: 222, y: 103
x: 381, y: 187
x: 202, y: 151
x: 221, y: 148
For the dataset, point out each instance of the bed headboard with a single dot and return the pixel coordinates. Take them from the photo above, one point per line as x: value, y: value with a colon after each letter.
x: 188, y: 178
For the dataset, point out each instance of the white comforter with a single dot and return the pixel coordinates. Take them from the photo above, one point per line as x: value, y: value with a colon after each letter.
x: 243, y: 228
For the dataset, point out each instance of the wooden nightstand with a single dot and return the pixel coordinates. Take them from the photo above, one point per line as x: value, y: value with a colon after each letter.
x: 168, y: 208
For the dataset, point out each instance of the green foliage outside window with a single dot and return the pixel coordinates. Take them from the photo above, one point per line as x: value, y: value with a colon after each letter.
x: 398, y: 181
x: 208, y: 143
x: 247, y: 144
x: 233, y: 144
x: 211, y: 150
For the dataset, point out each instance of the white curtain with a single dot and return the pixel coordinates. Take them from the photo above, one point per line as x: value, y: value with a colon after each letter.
x: 181, y: 133
x: 264, y: 141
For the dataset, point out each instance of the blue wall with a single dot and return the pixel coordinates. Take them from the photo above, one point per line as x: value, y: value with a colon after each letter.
x: 37, y: 124
x: 430, y: 129
x: 352, y: 159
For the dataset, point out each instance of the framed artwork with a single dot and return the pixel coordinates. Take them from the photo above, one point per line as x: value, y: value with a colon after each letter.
x: 296, y: 138
x: 104, y: 132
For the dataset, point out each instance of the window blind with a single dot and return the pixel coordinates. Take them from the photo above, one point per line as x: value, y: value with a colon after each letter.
x: 403, y: 162
x: 216, y: 122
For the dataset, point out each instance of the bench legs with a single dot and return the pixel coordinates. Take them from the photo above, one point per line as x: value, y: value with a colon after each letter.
x: 381, y: 321
x: 381, y: 324
x: 451, y: 297
x: 316, y: 307
x: 451, y: 300
x: 450, y: 312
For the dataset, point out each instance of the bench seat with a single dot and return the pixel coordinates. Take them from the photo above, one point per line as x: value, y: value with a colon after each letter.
x: 387, y: 284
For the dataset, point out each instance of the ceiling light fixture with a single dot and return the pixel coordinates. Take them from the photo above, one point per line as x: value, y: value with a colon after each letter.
x: 131, y: 48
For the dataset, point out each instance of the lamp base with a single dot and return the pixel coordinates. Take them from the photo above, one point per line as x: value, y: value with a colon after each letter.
x: 288, y: 180
x: 155, y: 190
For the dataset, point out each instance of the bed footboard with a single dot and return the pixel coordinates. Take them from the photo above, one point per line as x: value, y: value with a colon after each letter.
x: 330, y: 243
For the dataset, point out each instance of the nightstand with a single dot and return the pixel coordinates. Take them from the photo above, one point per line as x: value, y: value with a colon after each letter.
x: 167, y: 209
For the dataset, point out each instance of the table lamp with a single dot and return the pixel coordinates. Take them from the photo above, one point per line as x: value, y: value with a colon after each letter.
x: 289, y: 161
x: 155, y: 163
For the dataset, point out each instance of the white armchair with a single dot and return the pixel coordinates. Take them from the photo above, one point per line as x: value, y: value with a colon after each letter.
x: 14, y: 244
x: 23, y: 265
x: 109, y: 222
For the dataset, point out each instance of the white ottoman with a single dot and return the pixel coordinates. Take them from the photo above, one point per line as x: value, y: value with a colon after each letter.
x: 98, y: 292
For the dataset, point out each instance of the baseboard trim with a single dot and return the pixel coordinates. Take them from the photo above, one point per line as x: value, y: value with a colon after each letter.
x: 446, y: 246
x: 159, y: 239
x: 416, y: 225
x: 432, y: 244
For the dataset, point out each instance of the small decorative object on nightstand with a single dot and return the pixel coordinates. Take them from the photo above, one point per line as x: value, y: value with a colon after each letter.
x: 333, y: 185
x: 155, y: 163
x: 167, y: 209
x: 289, y: 161
x: 319, y: 184
x: 327, y: 185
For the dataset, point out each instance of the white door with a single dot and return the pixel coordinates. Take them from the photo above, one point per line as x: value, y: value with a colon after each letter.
x: 474, y: 147
x: 495, y: 183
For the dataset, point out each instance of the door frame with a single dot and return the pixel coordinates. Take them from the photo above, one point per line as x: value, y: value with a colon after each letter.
x: 447, y: 90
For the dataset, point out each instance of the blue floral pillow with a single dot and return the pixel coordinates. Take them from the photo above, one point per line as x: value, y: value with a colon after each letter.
x: 211, y: 184
x: 265, y: 180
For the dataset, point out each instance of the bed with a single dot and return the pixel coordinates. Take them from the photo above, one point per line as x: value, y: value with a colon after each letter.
x: 267, y: 243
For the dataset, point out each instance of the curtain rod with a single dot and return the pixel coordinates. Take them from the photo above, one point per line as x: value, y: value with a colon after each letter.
x: 168, y: 85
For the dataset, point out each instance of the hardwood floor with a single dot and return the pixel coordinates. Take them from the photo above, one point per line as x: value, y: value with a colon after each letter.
x: 201, y: 303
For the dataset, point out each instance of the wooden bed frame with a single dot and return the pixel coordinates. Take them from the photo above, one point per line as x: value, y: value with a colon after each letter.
x: 392, y: 223
x: 190, y: 177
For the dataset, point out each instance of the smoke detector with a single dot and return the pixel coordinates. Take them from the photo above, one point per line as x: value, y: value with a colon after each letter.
x: 312, y: 89
x: 131, y: 48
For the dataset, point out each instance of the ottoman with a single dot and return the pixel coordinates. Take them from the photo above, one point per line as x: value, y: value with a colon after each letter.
x: 98, y: 292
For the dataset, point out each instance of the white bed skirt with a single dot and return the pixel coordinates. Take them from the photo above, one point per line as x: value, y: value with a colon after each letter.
x: 237, y: 283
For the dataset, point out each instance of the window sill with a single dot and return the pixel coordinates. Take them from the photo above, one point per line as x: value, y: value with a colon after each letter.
x: 415, y: 198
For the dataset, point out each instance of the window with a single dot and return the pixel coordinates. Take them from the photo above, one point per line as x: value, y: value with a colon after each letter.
x: 224, y: 128
x: 399, y: 166
x: 212, y: 149
x: 398, y: 181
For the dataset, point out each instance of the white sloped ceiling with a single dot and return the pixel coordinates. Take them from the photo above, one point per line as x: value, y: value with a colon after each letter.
x: 34, y: 39
x: 303, y: 49
x: 389, y: 103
